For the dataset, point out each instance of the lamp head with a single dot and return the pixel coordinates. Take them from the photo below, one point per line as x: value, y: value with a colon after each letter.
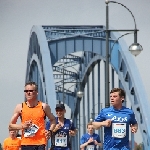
x: 91, y: 120
x: 135, y: 49
x: 80, y: 94
x: 106, y: 1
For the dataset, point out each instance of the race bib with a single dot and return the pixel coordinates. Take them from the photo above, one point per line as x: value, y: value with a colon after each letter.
x: 119, y: 130
x: 90, y: 147
x: 61, y: 141
x: 30, y: 132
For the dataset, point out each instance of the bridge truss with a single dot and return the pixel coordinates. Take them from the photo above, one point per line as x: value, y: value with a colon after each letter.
x: 61, y: 56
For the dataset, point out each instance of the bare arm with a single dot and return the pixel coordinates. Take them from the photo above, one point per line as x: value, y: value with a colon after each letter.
x: 83, y: 145
x: 99, y: 144
x: 16, y: 114
x: 97, y: 125
x: 14, y: 118
x: 89, y: 141
x: 49, y: 115
x: 96, y: 143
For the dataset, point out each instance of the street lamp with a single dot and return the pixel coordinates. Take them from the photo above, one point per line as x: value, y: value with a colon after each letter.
x: 135, y: 48
x: 92, y: 111
x: 100, y: 132
x: 91, y: 119
x: 80, y: 93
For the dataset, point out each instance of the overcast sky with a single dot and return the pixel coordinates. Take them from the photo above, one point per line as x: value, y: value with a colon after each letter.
x: 17, y: 18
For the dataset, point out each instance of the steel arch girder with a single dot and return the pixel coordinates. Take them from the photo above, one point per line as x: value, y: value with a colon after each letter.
x: 48, y: 84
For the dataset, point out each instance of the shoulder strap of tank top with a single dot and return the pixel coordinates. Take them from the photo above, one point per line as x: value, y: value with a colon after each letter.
x: 43, y: 110
x: 21, y: 111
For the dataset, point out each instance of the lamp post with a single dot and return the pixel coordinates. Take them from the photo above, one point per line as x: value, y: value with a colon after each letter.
x: 92, y: 118
x: 79, y: 93
x: 93, y: 113
x: 135, y: 48
x: 64, y: 74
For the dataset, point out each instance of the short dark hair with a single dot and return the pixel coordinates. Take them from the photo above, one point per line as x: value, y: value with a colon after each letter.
x: 60, y: 106
x: 120, y: 91
x: 32, y: 83
x: 90, y: 123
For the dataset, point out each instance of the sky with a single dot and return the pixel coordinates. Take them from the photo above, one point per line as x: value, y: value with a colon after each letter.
x: 17, y: 18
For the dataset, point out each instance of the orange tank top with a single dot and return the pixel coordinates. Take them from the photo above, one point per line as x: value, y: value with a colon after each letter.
x: 36, y: 115
x: 12, y: 144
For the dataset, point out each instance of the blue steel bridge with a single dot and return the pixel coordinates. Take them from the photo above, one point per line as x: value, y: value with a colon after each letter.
x: 61, y: 57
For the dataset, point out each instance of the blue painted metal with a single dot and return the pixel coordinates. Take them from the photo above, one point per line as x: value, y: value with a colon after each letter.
x: 49, y: 44
x: 39, y: 53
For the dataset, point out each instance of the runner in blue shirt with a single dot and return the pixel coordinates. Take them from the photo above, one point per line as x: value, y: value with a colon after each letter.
x: 90, y: 140
x: 63, y: 130
x: 116, y: 121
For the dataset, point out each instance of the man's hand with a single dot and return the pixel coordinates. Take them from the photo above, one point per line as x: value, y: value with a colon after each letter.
x: 48, y: 134
x: 58, y: 126
x: 27, y: 124
x: 90, y: 140
x: 95, y: 142
x: 134, y: 128
x: 107, y: 123
x: 72, y: 132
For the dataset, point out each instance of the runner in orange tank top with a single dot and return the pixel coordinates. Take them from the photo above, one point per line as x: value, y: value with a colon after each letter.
x: 12, y: 142
x: 32, y: 113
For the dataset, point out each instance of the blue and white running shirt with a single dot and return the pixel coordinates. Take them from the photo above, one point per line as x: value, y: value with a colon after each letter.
x: 116, y: 137
x: 87, y: 136
x: 62, y: 134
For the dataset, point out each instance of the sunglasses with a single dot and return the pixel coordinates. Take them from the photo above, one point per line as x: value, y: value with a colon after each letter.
x: 26, y: 91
